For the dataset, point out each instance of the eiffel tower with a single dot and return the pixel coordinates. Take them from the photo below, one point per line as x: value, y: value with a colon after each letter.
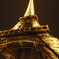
x: 28, y: 39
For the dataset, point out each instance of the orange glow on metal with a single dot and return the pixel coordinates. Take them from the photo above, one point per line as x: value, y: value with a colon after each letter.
x: 17, y: 26
x: 53, y: 43
x: 30, y: 9
x: 35, y: 23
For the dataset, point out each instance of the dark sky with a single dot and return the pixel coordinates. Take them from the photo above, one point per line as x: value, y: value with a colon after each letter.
x: 47, y: 11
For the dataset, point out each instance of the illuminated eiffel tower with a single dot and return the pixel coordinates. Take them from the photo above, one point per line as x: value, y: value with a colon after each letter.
x: 28, y: 39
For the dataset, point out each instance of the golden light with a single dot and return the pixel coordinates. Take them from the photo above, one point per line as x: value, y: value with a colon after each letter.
x: 30, y: 9
x: 16, y: 26
x: 53, y: 43
x: 35, y: 23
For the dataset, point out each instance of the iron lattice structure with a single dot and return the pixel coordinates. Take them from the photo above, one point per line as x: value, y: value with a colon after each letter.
x: 28, y: 39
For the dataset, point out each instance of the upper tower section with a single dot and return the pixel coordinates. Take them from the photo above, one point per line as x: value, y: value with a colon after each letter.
x: 30, y: 20
x: 30, y: 9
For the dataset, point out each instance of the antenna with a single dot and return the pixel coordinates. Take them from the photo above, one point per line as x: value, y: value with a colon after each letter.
x: 30, y: 8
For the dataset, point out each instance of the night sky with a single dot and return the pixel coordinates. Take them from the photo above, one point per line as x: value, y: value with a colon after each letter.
x: 47, y: 11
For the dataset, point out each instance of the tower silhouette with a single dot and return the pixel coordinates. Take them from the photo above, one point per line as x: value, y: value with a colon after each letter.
x: 28, y: 39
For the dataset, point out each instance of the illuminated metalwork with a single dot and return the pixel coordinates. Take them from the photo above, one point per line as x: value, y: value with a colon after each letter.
x: 28, y: 39
x: 30, y: 9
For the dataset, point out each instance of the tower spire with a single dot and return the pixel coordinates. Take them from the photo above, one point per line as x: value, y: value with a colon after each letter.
x: 30, y: 8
